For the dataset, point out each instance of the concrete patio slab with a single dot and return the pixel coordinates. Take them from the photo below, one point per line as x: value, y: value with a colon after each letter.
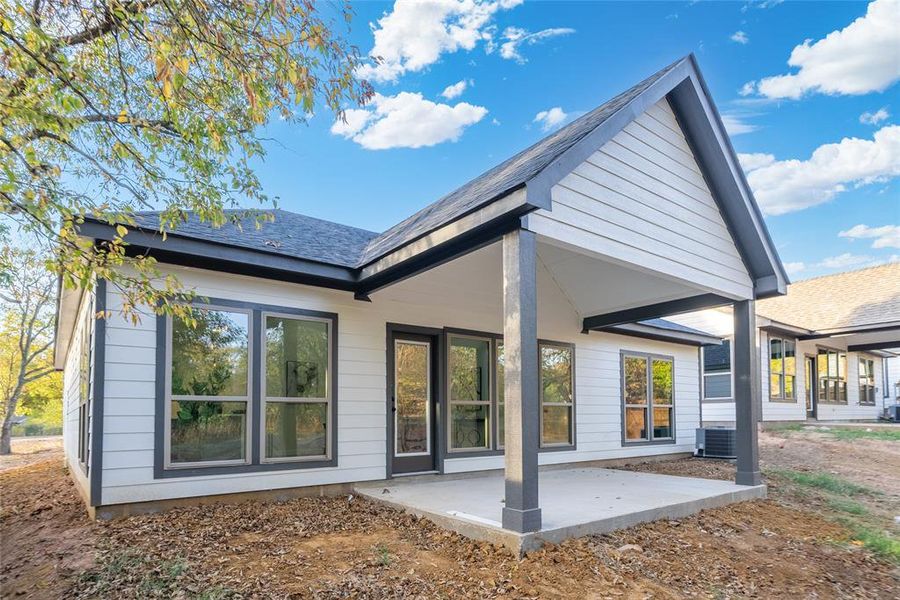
x: 574, y: 502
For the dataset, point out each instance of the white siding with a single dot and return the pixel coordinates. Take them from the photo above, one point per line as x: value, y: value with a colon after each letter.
x: 439, y: 298
x: 71, y: 391
x: 641, y: 199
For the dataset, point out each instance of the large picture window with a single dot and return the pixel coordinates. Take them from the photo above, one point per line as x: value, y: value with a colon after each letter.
x: 209, y: 387
x: 557, y: 389
x: 648, y: 398
x: 717, y: 372
x: 866, y: 381
x: 782, y: 370
x: 469, y: 374
x: 297, y: 400
x: 831, y: 367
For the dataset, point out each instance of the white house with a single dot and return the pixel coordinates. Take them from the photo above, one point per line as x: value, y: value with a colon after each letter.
x: 822, y: 349
x: 513, y: 323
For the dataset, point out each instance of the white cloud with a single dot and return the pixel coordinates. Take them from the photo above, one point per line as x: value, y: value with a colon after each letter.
x: 847, y: 260
x: 414, y: 35
x: 755, y: 160
x: 747, y: 89
x: 407, y: 120
x: 886, y: 236
x: 793, y: 268
x: 516, y: 37
x: 858, y: 59
x: 454, y: 91
x: 874, y: 118
x: 736, y: 125
x: 783, y: 186
x: 740, y: 37
x: 551, y: 118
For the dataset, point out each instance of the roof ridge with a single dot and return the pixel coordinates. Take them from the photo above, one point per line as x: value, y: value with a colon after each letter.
x: 883, y: 265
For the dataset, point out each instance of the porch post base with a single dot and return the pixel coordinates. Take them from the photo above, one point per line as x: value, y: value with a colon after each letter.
x: 748, y: 478
x: 522, y: 521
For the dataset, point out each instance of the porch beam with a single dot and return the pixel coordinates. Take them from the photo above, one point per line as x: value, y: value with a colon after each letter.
x: 746, y: 393
x: 654, y: 311
x: 521, y: 512
x: 885, y: 345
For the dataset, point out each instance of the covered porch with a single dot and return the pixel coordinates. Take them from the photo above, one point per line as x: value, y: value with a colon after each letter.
x: 575, y: 502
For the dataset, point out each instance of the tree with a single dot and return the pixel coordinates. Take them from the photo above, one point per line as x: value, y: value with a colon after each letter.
x: 27, y: 310
x: 109, y: 107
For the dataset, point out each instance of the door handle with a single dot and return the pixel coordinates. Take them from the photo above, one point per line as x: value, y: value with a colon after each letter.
x: 393, y: 404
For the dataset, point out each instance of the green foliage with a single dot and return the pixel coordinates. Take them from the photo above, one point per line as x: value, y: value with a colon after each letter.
x: 383, y: 555
x: 861, y: 433
x: 847, y: 506
x: 110, y: 107
x: 825, y: 482
x: 879, y: 542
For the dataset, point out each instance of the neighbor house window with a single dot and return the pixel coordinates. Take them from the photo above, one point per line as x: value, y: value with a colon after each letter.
x: 298, y: 382
x: 717, y: 371
x: 866, y: 381
x: 209, y: 387
x: 469, y: 374
x: 84, y: 391
x: 782, y: 370
x: 648, y: 397
x: 557, y: 387
x: 831, y: 367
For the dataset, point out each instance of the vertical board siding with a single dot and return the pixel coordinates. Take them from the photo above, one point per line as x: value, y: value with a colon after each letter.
x: 430, y: 301
x: 641, y: 198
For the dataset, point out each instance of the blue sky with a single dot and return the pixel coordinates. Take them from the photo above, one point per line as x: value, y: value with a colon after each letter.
x: 560, y: 59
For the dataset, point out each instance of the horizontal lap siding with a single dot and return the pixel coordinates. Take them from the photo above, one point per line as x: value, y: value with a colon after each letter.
x: 361, y: 430
x: 72, y: 394
x: 642, y: 199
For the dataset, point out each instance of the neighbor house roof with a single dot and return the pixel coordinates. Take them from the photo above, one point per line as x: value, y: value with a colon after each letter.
x: 663, y: 329
x: 849, y: 300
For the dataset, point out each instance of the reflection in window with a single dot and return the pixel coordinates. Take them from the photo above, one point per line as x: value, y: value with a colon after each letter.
x: 412, y: 397
x: 648, y: 396
x: 832, y: 374
x: 501, y: 400
x: 782, y: 370
x: 470, y: 393
x: 209, y: 387
x: 866, y: 381
x: 297, y: 393
x: 717, y: 371
x: 557, y: 396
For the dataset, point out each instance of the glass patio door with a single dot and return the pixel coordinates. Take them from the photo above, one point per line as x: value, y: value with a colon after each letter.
x: 413, y: 405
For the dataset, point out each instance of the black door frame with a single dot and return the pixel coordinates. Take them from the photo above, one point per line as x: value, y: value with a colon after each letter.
x: 812, y: 384
x: 435, y: 337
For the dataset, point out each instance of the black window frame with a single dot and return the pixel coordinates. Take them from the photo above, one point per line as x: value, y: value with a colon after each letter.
x: 783, y: 373
x: 866, y: 389
x: 730, y: 373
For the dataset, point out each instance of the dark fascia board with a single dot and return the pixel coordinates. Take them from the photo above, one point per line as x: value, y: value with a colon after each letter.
x: 703, y: 127
x: 694, y: 108
x: 876, y: 347
x: 782, y: 328
x: 654, y: 311
x: 873, y: 328
x: 177, y: 249
x: 660, y: 334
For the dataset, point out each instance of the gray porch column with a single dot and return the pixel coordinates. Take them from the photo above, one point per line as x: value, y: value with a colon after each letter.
x: 746, y: 393
x: 521, y: 512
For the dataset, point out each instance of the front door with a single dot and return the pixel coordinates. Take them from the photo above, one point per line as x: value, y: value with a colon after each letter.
x: 811, y: 388
x: 412, y: 403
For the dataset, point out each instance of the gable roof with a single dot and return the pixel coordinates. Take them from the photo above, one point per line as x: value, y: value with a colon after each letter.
x: 509, y: 175
x: 853, y: 299
x: 534, y: 170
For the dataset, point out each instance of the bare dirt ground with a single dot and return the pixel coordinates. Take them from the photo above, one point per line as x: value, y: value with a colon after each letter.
x: 30, y: 450
x: 791, y: 546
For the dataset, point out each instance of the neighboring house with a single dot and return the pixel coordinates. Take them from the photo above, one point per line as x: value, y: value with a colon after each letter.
x: 891, y: 379
x: 495, y: 329
x: 822, y: 349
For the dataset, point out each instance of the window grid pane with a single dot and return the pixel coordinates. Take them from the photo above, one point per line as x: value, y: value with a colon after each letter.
x: 469, y: 374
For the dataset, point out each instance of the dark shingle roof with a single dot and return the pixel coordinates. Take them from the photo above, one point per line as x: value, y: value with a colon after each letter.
x: 308, y: 238
x: 505, y: 177
x: 670, y: 326
x: 290, y: 234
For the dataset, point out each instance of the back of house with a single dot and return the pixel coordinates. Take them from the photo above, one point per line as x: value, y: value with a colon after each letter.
x: 325, y: 355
